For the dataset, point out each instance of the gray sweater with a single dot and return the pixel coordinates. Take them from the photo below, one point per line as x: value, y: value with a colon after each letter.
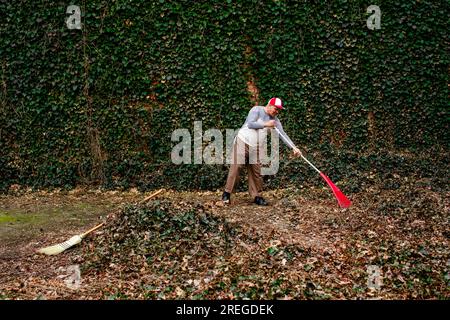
x: 254, y: 123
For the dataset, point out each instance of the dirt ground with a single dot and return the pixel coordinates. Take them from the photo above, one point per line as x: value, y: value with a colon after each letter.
x: 302, y: 246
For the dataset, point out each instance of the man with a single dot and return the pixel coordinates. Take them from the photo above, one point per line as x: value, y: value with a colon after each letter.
x: 249, y: 139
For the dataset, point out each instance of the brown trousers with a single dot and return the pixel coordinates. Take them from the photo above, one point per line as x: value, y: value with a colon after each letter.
x: 241, y: 156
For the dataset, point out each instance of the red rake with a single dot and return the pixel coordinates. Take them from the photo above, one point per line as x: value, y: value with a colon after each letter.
x: 343, y: 201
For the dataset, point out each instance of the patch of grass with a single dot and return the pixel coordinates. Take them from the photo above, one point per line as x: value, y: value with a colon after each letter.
x: 6, y: 218
x: 23, y: 219
x: 13, y: 217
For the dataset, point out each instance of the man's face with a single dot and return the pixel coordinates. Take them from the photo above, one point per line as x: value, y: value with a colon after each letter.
x: 273, y: 111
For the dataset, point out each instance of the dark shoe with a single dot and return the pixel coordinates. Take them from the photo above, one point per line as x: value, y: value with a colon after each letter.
x: 226, y: 197
x: 260, y: 201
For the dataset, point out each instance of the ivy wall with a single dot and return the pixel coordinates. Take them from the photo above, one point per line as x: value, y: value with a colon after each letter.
x: 99, y: 105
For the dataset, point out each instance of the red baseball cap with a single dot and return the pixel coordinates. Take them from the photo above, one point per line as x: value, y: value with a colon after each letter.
x: 276, y: 102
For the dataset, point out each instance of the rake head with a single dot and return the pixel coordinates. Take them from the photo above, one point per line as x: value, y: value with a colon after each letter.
x: 60, y: 247
x: 343, y: 201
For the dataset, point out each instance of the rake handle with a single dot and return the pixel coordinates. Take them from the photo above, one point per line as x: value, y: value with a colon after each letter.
x: 152, y: 195
x: 92, y: 230
x: 313, y: 166
x: 292, y: 146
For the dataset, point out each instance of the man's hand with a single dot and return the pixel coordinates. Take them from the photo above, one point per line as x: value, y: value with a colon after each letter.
x: 297, y: 152
x: 270, y: 124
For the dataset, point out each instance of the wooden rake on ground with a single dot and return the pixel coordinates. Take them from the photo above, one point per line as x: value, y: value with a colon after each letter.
x: 60, y: 247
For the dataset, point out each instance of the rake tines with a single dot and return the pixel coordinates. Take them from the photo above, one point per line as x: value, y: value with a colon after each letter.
x: 60, y: 247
